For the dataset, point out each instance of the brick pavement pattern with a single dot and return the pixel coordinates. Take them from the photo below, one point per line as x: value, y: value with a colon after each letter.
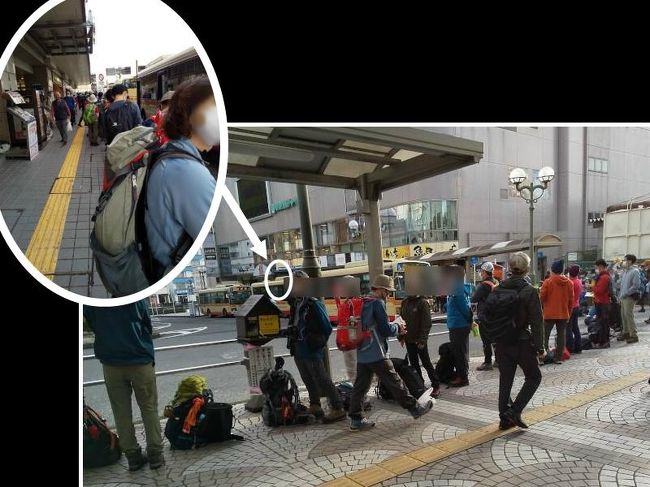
x: 601, y: 440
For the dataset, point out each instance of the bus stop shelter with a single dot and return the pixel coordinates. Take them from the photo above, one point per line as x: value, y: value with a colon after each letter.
x: 369, y: 160
x: 486, y: 250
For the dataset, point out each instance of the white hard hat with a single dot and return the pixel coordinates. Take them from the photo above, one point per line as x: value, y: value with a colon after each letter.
x: 487, y: 267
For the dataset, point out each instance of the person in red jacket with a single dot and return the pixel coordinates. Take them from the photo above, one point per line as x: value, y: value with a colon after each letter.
x: 602, y: 300
x: 557, y: 301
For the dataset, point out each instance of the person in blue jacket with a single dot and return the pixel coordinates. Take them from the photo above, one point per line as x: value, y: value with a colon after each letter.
x: 459, y: 322
x: 180, y: 188
x: 124, y: 347
x: 373, y: 358
x: 313, y: 329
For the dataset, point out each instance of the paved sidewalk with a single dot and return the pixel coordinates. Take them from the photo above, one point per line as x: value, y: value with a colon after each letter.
x: 48, y: 203
x: 590, y: 425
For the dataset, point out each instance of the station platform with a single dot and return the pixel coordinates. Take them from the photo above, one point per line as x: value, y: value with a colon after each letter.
x: 589, y: 426
x: 48, y: 204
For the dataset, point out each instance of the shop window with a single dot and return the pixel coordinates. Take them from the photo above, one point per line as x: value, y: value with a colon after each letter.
x: 253, y: 198
x: 597, y: 164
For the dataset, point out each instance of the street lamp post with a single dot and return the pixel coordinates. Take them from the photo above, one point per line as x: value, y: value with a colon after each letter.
x: 531, y: 193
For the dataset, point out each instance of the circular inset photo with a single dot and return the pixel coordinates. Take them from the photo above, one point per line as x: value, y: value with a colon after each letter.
x: 113, y: 147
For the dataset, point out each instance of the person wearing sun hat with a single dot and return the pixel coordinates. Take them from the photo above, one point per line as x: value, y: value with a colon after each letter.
x: 373, y: 357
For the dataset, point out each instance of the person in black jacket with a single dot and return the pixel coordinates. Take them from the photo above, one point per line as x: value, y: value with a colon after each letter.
x: 522, y: 346
x: 416, y: 312
x: 481, y: 293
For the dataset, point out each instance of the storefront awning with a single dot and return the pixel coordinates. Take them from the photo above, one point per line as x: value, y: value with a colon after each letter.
x: 509, y: 246
x: 349, y: 158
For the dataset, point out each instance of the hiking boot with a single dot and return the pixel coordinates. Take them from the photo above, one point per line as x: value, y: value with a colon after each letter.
x: 361, y: 424
x: 420, y: 410
x: 315, y: 410
x: 135, y: 459
x: 647, y: 321
x: 632, y: 340
x: 622, y: 337
x: 156, y: 460
x: 485, y: 366
x: 334, y: 415
x: 506, y: 424
x: 515, y: 418
x: 458, y: 382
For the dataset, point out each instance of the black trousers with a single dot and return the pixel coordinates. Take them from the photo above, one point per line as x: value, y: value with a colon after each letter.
x: 487, y: 344
x: 509, y: 355
x: 318, y: 382
x: 573, y: 335
x: 459, y: 339
x: 417, y: 355
x: 602, y: 311
x: 385, y: 372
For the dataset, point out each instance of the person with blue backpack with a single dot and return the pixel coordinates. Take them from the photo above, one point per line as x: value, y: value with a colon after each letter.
x: 373, y: 358
x: 459, y: 322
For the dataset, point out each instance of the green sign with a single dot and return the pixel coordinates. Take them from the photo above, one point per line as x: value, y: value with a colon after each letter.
x: 283, y: 205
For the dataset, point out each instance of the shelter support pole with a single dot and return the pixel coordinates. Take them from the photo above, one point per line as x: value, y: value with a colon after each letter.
x: 370, y: 203
x: 310, y: 262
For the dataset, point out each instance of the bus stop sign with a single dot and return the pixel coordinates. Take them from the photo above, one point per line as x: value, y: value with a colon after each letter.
x: 473, y: 260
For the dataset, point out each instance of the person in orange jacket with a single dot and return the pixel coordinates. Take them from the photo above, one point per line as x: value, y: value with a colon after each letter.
x: 557, y: 302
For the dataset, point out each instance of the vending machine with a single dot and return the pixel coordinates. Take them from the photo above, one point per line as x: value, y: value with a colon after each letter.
x: 22, y: 128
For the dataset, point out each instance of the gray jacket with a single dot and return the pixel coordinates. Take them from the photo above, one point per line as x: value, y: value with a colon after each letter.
x: 630, y: 282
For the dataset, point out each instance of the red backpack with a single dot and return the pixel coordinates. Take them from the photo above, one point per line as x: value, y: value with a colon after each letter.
x: 349, y: 331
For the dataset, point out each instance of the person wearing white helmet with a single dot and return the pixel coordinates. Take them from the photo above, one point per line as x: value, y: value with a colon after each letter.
x: 481, y: 293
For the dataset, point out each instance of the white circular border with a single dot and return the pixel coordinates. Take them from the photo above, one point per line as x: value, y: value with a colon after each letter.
x: 212, y: 213
x: 273, y: 263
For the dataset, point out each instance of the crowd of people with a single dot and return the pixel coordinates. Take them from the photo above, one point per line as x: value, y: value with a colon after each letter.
x: 513, y: 318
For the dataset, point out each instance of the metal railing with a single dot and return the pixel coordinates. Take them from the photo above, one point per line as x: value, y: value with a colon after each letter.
x: 216, y: 365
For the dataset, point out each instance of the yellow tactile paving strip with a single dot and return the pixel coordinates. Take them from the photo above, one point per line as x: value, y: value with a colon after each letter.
x: 43, y: 249
x: 407, y: 462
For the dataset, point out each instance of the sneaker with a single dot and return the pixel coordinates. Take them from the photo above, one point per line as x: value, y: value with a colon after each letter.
x: 484, y: 366
x: 632, y: 340
x: 642, y: 310
x: 458, y: 382
x: 315, y: 410
x: 647, y: 321
x: 435, y: 393
x: 420, y: 410
x: 506, y: 424
x: 135, y: 459
x: 156, y: 460
x: 334, y: 415
x: 361, y: 424
x: 622, y: 337
x: 515, y: 418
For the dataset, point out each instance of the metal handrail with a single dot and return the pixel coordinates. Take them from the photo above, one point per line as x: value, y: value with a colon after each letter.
x: 224, y: 364
x: 184, y: 345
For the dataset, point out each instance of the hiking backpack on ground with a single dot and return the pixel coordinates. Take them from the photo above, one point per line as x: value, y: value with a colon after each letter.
x: 445, y: 364
x: 100, y: 445
x: 119, y: 238
x: 345, y: 393
x: 498, y: 314
x: 409, y: 375
x: 281, y: 397
x: 199, y: 421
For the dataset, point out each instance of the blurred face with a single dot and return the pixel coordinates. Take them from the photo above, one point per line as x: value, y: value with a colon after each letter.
x: 57, y: 95
x: 382, y: 293
x: 600, y: 268
x: 205, y: 123
x: 484, y: 275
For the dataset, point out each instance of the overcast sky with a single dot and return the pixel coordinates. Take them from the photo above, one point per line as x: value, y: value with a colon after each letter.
x: 130, y: 30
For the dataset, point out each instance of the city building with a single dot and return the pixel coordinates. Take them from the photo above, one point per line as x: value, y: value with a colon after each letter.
x: 594, y: 167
